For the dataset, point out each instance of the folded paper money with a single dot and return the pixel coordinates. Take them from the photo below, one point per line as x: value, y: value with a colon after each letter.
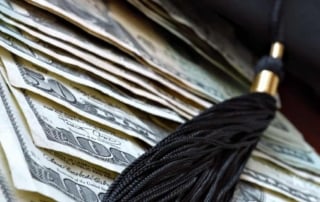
x: 86, y: 87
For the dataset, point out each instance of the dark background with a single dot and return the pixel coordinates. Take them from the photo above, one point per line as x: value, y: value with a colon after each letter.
x: 301, y: 107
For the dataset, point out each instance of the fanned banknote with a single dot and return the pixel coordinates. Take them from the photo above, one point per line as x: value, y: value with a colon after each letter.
x: 247, y: 192
x: 86, y: 87
x: 266, y: 174
x: 85, y: 102
x: 81, y: 76
x: 8, y: 193
x: 298, y: 156
x: 64, y: 61
x: 169, y: 57
x: 207, y: 37
x: 62, y: 179
x: 284, y: 164
x: 94, y: 17
x: 52, y: 127
x: 51, y: 25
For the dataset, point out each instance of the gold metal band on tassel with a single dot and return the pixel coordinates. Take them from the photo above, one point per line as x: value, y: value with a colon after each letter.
x: 266, y: 81
x: 277, y: 49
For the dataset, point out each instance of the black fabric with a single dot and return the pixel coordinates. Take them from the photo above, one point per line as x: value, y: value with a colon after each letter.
x: 203, y: 159
x: 301, y: 30
x: 270, y: 63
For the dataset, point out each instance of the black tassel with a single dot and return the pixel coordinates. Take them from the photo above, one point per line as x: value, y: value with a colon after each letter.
x: 203, y: 159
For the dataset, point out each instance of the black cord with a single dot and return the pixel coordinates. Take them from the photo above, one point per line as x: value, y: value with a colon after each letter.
x: 277, y: 35
x: 276, y: 24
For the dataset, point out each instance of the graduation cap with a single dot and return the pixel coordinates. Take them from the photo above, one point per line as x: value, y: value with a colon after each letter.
x: 300, y: 20
x: 203, y: 159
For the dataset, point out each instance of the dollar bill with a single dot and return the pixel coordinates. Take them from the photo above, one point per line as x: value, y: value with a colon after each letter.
x: 247, y: 192
x: 140, y: 85
x: 282, y: 131
x: 299, y: 172
x: 174, y: 58
x: 170, y: 57
x: 54, y: 128
x: 8, y: 193
x: 284, y: 128
x: 184, y: 21
x: 6, y: 185
x: 200, y: 46
x: 93, y: 17
x: 55, y: 176
x: 272, y: 177
x: 82, y: 77
x: 62, y: 34
x: 295, y: 156
x: 85, y: 102
x: 161, y: 96
x: 163, y: 7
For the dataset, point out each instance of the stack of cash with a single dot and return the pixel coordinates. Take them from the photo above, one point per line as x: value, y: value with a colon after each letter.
x: 88, y: 86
